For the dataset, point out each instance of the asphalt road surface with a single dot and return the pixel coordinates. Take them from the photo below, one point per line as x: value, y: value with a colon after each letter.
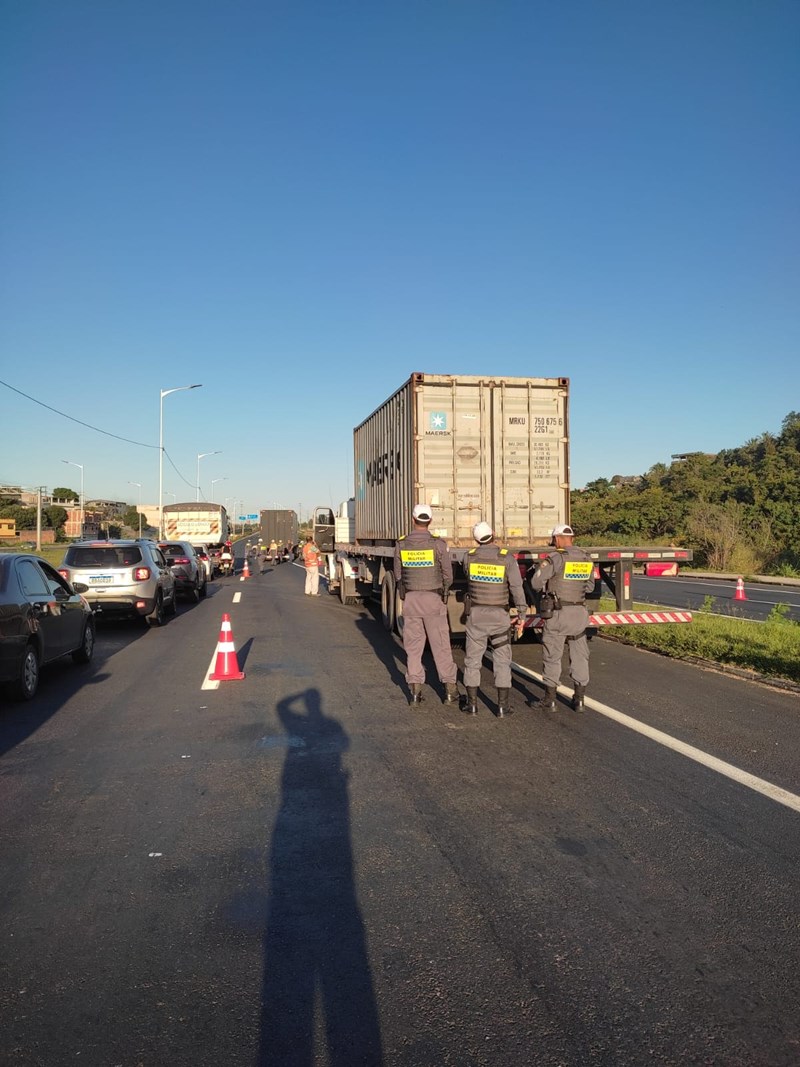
x: 299, y: 869
x: 685, y: 592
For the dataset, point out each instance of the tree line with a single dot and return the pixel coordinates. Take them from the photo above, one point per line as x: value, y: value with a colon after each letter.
x: 54, y: 516
x: 738, y: 510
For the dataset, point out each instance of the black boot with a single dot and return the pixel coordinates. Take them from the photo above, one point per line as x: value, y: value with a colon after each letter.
x: 504, y: 703
x: 451, y: 694
x: 547, y: 702
x: 577, y: 698
x: 416, y: 693
x: 469, y: 703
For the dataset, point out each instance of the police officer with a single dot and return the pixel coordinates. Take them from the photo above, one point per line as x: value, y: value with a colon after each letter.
x: 567, y: 574
x: 424, y: 572
x: 492, y: 573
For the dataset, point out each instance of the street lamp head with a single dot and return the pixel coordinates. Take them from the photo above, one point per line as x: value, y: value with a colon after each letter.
x: 179, y: 389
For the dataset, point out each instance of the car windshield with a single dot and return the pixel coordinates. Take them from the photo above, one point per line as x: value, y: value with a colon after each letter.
x: 103, y: 557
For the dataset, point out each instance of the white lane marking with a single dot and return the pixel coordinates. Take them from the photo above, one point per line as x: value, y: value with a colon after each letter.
x: 759, y: 785
x: 237, y: 597
x: 207, y: 683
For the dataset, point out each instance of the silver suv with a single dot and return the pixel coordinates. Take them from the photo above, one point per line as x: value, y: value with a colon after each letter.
x: 123, y: 578
x: 187, y: 569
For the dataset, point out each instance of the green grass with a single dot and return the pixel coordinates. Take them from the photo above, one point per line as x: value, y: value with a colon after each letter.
x: 52, y: 553
x: 770, y: 648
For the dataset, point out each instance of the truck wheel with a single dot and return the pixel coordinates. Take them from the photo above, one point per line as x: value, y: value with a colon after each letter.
x: 398, y: 615
x: 342, y: 589
x: 387, y: 601
x: 347, y: 587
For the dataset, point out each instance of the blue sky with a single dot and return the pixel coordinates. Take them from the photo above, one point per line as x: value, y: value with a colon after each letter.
x: 298, y: 204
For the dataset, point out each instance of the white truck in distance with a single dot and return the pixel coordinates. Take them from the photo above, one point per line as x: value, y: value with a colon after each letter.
x: 474, y: 448
x: 198, y: 523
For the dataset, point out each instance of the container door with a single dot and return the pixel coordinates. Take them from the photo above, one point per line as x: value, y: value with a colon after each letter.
x: 493, y: 450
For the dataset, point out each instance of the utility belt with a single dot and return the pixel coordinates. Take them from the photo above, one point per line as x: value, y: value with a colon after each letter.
x: 550, y: 603
x: 444, y: 591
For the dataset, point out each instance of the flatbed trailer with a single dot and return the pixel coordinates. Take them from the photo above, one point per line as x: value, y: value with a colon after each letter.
x: 491, y: 448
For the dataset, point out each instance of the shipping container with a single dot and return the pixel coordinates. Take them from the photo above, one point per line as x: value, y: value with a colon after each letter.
x: 474, y: 448
x: 279, y: 525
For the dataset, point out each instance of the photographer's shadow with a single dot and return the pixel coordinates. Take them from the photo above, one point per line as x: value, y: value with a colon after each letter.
x: 315, y: 948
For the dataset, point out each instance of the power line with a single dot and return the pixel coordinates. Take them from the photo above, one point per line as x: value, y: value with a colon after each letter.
x: 64, y: 415
x: 96, y: 429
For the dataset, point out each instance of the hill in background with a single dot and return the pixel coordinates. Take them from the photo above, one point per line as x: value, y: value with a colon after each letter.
x: 738, y: 510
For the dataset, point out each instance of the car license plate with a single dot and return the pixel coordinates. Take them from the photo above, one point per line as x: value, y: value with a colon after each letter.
x: 101, y: 579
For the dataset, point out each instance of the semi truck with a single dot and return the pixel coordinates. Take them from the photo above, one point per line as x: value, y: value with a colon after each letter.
x: 279, y: 524
x: 199, y: 523
x: 474, y: 448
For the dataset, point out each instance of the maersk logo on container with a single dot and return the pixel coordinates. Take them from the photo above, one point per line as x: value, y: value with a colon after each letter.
x: 437, y: 425
x: 379, y: 470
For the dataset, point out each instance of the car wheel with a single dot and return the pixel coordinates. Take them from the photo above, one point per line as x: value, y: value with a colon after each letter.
x: 204, y: 589
x: 27, y: 681
x: 171, y: 608
x: 85, y: 652
x: 157, y: 616
x: 194, y: 596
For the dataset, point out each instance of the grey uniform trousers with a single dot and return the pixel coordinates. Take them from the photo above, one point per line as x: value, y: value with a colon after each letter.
x: 483, y: 623
x: 425, y: 617
x: 569, y: 622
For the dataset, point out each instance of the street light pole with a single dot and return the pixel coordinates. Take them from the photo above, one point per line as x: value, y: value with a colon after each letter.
x: 69, y: 461
x: 140, y: 505
x: 214, y: 482
x: 202, y: 455
x: 165, y: 392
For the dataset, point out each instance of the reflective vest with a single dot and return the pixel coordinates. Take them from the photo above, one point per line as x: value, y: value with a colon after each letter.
x: 420, y: 562
x: 573, y: 575
x: 311, y: 556
x: 488, y: 579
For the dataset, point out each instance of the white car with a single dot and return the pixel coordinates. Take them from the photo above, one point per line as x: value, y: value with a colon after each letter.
x: 205, y: 558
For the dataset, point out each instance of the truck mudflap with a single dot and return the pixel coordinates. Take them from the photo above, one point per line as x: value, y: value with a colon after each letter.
x: 621, y: 618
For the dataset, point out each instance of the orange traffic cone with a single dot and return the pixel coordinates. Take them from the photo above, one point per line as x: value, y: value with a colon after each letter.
x: 740, y: 593
x: 246, y: 571
x: 226, y: 668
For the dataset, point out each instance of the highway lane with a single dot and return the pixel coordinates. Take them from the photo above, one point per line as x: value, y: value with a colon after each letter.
x: 686, y: 592
x: 297, y: 868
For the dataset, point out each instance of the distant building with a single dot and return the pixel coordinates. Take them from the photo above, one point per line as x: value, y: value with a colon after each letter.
x: 92, y: 522
x: 28, y: 497
x: 108, y: 507
x: 689, y: 455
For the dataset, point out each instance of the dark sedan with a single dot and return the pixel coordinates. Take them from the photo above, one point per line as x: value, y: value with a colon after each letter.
x: 42, y: 617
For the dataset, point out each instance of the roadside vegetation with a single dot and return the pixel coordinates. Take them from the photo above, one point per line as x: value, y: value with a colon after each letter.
x: 771, y: 648
x: 739, y: 510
